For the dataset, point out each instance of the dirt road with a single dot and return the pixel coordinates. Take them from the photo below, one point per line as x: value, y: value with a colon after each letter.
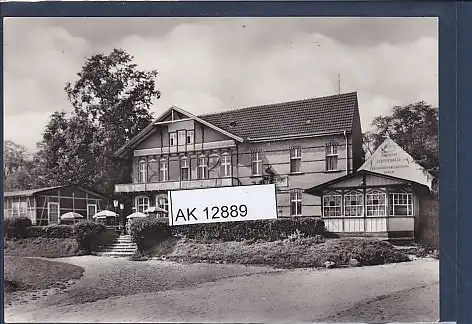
x: 254, y: 294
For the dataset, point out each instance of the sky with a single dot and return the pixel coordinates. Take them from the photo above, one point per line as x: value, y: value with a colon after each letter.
x: 214, y: 64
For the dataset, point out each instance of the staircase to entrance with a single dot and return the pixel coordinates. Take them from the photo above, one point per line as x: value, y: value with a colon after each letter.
x: 123, y: 246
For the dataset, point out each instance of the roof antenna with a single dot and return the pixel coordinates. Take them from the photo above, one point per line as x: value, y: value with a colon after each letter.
x: 339, y: 83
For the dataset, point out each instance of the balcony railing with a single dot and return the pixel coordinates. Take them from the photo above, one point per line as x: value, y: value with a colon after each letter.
x: 175, y: 185
x: 185, y: 148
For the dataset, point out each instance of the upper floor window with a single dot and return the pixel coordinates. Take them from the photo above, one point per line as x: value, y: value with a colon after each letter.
x: 172, y: 139
x: 295, y: 159
x: 181, y: 137
x: 142, y: 171
x: 296, y: 202
x: 332, y: 205
x: 331, y: 157
x: 256, y: 164
x: 184, y: 169
x: 401, y: 204
x: 202, y: 169
x: 190, y: 137
x: 164, y: 170
x: 376, y: 203
x: 153, y: 171
x: 226, y: 165
x: 141, y: 203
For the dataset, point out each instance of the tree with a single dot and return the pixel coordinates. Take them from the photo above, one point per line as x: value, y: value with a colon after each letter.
x: 413, y: 127
x: 111, y: 101
x: 17, y: 166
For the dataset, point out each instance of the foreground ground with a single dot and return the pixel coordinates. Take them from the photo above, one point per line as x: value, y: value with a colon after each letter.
x: 156, y: 291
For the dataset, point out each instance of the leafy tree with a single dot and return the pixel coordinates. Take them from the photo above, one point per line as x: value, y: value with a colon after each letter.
x: 111, y: 101
x: 415, y: 128
x: 17, y: 167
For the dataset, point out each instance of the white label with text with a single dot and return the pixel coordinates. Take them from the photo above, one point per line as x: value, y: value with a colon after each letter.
x: 227, y: 204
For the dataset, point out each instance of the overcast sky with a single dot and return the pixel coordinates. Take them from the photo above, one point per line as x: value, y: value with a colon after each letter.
x: 209, y: 65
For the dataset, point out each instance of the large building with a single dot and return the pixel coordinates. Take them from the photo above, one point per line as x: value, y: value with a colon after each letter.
x: 304, y: 143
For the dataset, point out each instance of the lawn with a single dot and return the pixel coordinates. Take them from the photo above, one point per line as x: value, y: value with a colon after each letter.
x: 22, y: 273
x: 290, y: 253
x: 42, y: 247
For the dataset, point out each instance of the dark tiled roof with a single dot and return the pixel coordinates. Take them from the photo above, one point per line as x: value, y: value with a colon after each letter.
x: 316, y: 115
x: 28, y: 192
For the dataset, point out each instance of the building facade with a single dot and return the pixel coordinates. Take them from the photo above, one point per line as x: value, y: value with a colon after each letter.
x: 297, y: 144
x: 44, y: 206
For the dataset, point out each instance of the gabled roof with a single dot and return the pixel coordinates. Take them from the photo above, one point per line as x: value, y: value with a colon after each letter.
x: 316, y: 190
x: 31, y: 192
x: 309, y: 116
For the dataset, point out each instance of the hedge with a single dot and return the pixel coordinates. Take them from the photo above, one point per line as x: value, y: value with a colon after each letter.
x: 16, y: 227
x: 89, y: 235
x: 51, y: 231
x: 146, y: 233
x: 266, y: 230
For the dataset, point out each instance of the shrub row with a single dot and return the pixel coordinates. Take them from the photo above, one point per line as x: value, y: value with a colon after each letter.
x: 89, y: 235
x: 146, y: 233
x: 266, y: 230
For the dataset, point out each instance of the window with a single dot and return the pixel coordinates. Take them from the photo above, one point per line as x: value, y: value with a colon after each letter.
x: 184, y: 169
x: 202, y: 170
x: 376, y: 203
x: 256, y: 164
x: 172, y: 139
x: 190, y: 137
x: 181, y: 137
x: 354, y: 204
x: 332, y: 205
x: 141, y: 203
x: 15, y: 209
x: 142, y: 172
x: 153, y: 171
x: 164, y: 168
x: 331, y: 157
x: 53, y: 212
x: 226, y: 165
x: 295, y: 160
x: 401, y: 204
x: 296, y: 202
x: 162, y: 203
x: 91, y: 210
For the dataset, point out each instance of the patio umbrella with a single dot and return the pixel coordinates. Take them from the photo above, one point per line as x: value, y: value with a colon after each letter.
x: 155, y: 209
x: 71, y: 215
x: 136, y: 215
x: 105, y: 214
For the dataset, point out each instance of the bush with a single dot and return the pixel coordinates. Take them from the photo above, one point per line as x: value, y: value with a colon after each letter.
x: 51, y: 231
x: 267, y: 230
x: 35, y: 231
x: 16, y: 227
x: 89, y: 235
x: 147, y: 233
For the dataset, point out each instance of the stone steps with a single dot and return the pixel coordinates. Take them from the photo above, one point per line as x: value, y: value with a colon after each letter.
x: 123, y: 246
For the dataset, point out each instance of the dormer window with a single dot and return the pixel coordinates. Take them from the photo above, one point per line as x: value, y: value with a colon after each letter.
x: 232, y: 124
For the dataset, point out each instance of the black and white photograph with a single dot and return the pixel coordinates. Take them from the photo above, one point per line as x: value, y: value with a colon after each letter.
x: 263, y: 170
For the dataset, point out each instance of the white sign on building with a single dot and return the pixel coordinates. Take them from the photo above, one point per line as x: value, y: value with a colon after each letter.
x: 391, y: 159
x: 226, y: 204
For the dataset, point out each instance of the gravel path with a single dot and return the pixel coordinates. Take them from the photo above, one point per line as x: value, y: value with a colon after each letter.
x: 247, y: 294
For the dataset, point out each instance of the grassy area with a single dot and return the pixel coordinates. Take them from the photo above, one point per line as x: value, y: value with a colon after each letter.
x: 22, y: 273
x: 42, y: 247
x: 290, y: 253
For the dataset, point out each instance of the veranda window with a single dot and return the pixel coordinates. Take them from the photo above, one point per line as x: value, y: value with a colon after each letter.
x: 296, y: 202
x: 164, y: 170
x: 184, y: 169
x: 354, y: 204
x: 172, y: 139
x: 226, y: 165
x: 376, y: 203
x: 401, y: 204
x: 142, y: 171
x: 202, y: 170
x: 190, y: 137
x: 332, y: 204
x: 91, y: 210
x: 181, y: 137
x: 153, y: 171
